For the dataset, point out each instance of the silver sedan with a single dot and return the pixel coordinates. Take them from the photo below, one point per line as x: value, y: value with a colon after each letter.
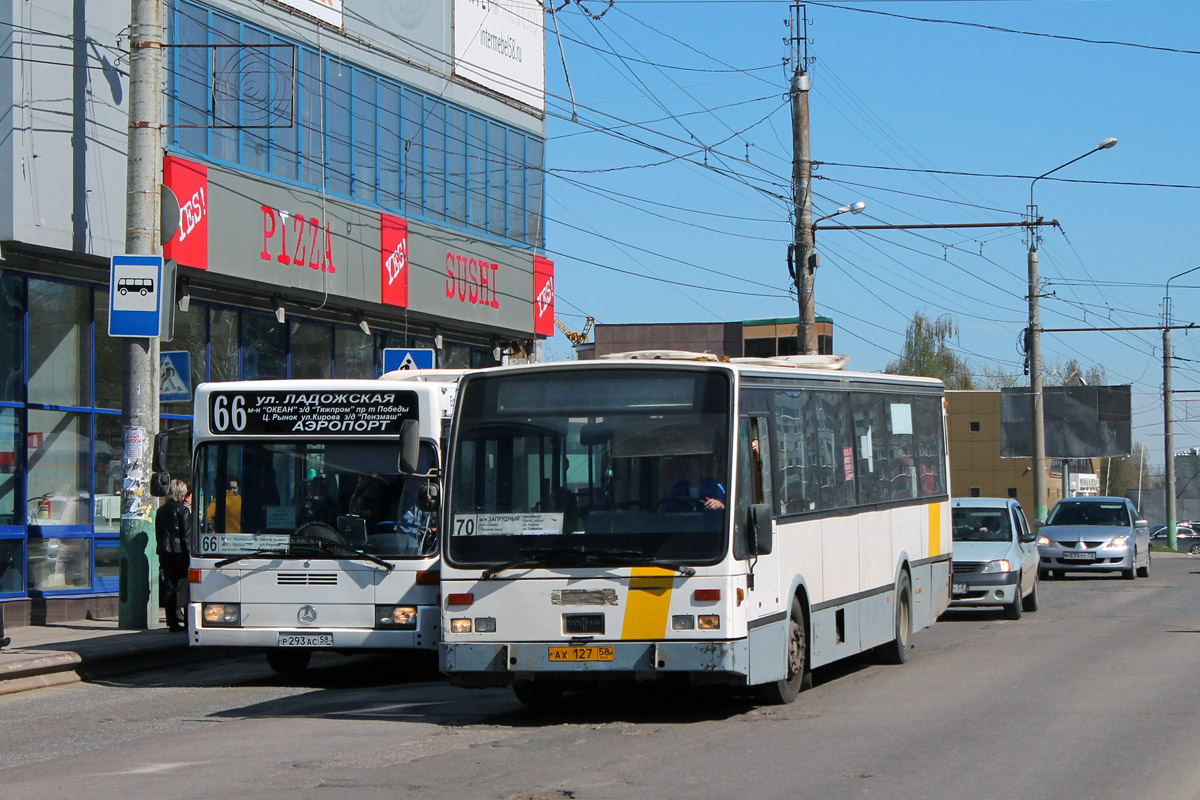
x: 1094, y: 534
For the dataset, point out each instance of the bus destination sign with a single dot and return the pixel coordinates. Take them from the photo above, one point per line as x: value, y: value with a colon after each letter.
x: 290, y: 413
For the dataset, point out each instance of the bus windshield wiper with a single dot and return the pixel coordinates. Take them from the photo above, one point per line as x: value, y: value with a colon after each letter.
x: 537, y: 557
x: 225, y: 562
x: 339, y: 549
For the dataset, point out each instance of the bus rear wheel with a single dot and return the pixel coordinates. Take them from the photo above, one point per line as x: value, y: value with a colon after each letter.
x: 896, y: 651
x: 785, y: 690
x: 288, y: 662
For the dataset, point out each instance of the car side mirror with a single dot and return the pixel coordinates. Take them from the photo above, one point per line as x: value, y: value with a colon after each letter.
x: 1141, y: 523
x: 158, y: 459
x: 762, y: 534
x: 410, y: 447
x: 160, y: 482
x: 1039, y: 523
x: 1028, y: 538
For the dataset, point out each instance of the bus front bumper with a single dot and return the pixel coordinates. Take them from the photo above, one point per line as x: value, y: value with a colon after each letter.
x: 478, y: 664
x: 424, y: 637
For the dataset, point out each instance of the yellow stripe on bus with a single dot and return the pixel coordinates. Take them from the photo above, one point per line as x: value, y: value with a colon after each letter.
x: 648, y: 603
x: 935, y: 529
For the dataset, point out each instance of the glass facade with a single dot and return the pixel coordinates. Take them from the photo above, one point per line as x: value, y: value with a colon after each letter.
x: 349, y: 131
x: 61, y: 437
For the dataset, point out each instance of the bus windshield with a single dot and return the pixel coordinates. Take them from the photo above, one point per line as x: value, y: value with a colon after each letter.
x: 293, y: 498
x: 603, y: 466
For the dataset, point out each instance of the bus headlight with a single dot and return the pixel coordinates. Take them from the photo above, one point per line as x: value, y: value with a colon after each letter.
x: 460, y: 625
x: 393, y: 618
x: 709, y: 622
x: 485, y: 624
x: 683, y: 622
x: 222, y: 615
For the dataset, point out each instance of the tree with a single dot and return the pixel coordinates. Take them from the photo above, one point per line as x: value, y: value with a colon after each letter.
x: 1122, y: 474
x: 927, y: 352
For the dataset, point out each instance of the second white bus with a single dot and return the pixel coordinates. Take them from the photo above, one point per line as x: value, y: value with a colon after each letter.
x: 680, y: 518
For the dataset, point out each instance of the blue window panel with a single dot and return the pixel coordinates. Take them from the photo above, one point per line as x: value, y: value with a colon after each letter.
x: 456, y: 166
x: 412, y: 131
x: 227, y: 75
x: 365, y: 135
x: 435, y: 160
x: 391, y: 159
x: 285, y: 99
x: 338, y: 78
x: 534, y: 182
x: 312, y: 120
x: 189, y: 78
x: 106, y: 573
x: 254, y: 98
x: 514, y: 169
x: 12, y: 566
x: 477, y: 173
x: 497, y: 154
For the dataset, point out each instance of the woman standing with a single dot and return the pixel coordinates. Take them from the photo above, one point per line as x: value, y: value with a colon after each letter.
x: 171, y: 525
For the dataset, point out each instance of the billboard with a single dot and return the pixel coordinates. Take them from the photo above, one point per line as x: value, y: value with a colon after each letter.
x: 1081, y: 421
x: 500, y: 44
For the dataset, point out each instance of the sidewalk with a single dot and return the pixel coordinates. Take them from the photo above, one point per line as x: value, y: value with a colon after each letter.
x: 50, y: 655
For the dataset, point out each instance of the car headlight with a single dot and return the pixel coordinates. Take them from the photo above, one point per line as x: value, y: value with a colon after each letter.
x: 1119, y: 541
x: 222, y: 615
x: 999, y: 565
x: 1044, y: 541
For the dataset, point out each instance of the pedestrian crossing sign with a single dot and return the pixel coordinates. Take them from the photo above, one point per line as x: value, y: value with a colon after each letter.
x: 395, y: 358
x: 175, y: 377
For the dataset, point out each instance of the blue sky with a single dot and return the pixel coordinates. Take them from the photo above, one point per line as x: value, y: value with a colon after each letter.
x: 668, y: 196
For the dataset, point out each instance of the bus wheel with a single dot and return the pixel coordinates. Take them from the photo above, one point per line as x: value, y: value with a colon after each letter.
x: 784, y: 691
x: 896, y: 651
x: 537, y: 693
x: 288, y: 662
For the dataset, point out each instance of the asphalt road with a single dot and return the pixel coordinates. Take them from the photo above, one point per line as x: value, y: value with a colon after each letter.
x: 1093, y: 696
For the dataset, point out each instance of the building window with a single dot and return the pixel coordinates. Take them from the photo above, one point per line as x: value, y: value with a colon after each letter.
x: 975, y: 491
x: 824, y: 344
x: 60, y: 344
x: 1012, y: 492
x: 760, y: 348
x: 974, y: 426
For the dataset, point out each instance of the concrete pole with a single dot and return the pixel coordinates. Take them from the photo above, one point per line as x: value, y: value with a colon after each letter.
x: 1169, y: 436
x: 806, y: 328
x: 1035, y: 385
x: 138, y: 593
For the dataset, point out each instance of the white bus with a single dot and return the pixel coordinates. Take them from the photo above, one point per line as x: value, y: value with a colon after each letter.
x: 674, y: 517
x: 308, y: 534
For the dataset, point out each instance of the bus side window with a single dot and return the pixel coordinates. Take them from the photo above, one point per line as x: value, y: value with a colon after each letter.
x: 754, y: 478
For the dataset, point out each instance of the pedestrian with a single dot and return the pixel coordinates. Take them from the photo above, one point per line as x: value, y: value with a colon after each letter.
x: 171, y: 526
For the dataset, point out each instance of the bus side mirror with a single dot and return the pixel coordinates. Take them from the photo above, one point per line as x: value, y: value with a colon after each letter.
x: 410, y: 447
x: 158, y: 460
x: 160, y: 482
x: 759, y: 525
x: 429, y: 497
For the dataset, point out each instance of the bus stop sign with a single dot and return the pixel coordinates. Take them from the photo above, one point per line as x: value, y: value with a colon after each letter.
x: 135, y: 296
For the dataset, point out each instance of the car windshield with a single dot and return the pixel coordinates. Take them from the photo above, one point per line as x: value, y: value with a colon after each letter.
x: 620, y: 466
x: 1090, y: 513
x: 981, y: 525
x: 297, y: 497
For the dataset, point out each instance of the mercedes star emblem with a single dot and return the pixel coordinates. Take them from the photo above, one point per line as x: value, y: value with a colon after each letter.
x: 307, y: 615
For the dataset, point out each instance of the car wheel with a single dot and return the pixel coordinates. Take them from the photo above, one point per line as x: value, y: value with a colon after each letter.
x: 1195, y: 549
x: 288, y: 662
x: 1144, y: 572
x: 896, y: 651
x: 784, y: 691
x: 537, y: 693
x: 1013, y: 609
x: 1030, y: 603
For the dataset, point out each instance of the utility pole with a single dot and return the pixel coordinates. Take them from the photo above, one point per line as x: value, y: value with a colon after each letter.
x: 1169, y: 434
x: 138, y: 594
x: 1034, y: 351
x: 802, y: 262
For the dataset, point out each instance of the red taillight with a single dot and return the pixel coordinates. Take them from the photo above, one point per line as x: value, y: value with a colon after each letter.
x: 193, y: 576
x: 428, y: 577
x: 460, y: 599
x: 707, y: 595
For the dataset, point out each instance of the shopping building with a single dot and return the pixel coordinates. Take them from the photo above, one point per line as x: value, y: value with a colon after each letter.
x: 352, y: 175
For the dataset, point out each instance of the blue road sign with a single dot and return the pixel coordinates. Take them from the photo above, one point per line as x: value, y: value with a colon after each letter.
x: 175, y: 377
x: 400, y: 358
x: 135, y: 296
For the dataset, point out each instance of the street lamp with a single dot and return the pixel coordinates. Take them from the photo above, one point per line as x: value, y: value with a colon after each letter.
x: 799, y: 272
x: 1169, y: 414
x: 1035, y: 342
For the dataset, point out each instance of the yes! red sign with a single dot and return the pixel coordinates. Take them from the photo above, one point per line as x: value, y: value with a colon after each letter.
x: 189, y: 182
x: 543, y: 296
x: 393, y: 261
